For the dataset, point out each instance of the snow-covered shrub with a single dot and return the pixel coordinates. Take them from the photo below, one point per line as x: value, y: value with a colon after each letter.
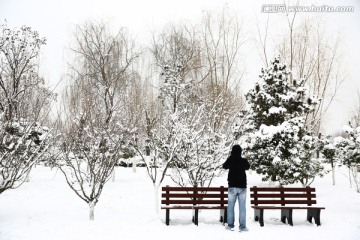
x: 22, y: 144
x: 201, y: 151
x: 351, y: 156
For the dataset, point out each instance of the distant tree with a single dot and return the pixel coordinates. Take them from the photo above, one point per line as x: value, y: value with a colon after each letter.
x: 274, y: 128
x: 334, y: 151
x: 176, y: 54
x: 101, y: 72
x: 222, y: 42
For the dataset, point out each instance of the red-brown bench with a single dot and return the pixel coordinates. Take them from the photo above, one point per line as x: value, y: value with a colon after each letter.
x: 194, y: 198
x: 285, y: 199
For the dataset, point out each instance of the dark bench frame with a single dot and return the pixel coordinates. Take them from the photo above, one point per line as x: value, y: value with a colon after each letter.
x: 281, y: 198
x: 194, y: 198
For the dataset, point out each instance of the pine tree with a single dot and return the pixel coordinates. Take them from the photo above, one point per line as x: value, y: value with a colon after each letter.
x: 274, y: 130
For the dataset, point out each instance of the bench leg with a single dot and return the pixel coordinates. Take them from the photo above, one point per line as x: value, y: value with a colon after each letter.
x: 223, y: 216
x: 196, y: 217
x: 167, y: 218
x: 259, y: 216
x: 314, y: 213
x: 287, y: 214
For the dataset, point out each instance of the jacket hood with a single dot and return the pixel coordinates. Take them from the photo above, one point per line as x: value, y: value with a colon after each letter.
x: 236, y: 151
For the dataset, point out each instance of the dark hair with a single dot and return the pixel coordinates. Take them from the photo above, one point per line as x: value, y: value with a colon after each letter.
x: 236, y: 150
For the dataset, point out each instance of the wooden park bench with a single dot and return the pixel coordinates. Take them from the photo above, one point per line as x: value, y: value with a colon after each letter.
x: 285, y: 199
x: 194, y: 198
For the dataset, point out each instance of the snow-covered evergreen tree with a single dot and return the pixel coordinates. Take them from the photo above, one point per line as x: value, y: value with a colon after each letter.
x: 274, y: 134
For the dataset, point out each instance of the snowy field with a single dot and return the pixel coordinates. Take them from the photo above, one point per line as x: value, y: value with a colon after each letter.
x: 46, y: 209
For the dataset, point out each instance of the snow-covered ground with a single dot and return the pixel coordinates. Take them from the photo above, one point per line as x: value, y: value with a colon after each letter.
x: 46, y: 209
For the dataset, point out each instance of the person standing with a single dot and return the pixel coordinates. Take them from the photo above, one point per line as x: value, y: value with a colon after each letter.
x: 237, y: 165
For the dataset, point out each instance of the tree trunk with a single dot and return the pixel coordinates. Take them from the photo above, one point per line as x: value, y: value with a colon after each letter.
x: 156, y: 195
x: 27, y: 179
x: 350, y: 177
x: 134, y: 162
x: 333, y: 173
x: 356, y: 179
x: 113, y: 175
x: 271, y: 183
x: 91, y: 210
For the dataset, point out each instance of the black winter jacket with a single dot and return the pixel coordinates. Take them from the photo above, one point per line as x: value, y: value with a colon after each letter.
x: 237, y: 167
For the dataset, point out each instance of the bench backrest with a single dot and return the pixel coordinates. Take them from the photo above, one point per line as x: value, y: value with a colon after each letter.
x: 194, y: 196
x: 282, y: 196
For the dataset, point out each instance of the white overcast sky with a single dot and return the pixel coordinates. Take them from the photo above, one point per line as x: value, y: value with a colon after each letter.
x: 55, y: 20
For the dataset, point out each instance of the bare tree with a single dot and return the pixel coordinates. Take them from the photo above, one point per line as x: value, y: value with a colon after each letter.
x: 87, y: 158
x: 222, y: 39
x: 355, y: 117
x: 102, y: 68
x: 98, y: 108
x: 103, y: 82
x: 158, y: 147
x: 176, y: 53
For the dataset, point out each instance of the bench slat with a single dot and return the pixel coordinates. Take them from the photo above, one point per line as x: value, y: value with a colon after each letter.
x: 283, y: 201
x: 193, y: 207
x: 284, y: 207
x: 264, y: 189
x: 179, y: 201
x: 279, y: 195
x: 192, y: 189
x: 185, y: 195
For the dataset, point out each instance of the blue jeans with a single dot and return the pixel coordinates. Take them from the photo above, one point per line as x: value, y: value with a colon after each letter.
x: 233, y: 194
